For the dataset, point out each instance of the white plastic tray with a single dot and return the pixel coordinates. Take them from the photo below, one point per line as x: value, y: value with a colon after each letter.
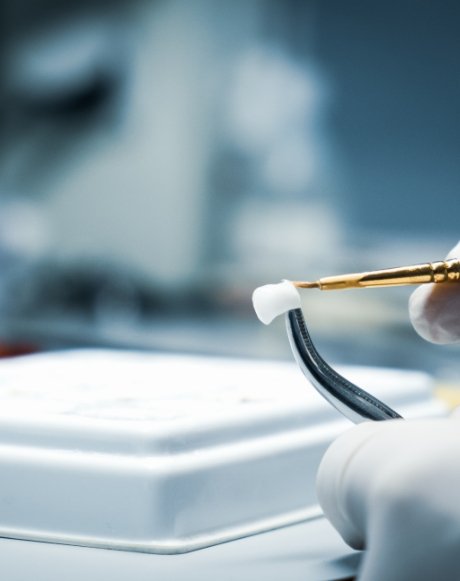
x: 167, y: 454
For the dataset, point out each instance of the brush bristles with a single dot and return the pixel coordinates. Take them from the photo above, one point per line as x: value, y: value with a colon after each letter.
x: 305, y: 284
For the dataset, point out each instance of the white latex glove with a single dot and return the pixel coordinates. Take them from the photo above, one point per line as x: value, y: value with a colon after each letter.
x: 393, y: 487
x: 435, y: 309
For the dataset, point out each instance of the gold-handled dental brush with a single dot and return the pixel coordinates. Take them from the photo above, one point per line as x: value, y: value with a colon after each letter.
x: 438, y: 272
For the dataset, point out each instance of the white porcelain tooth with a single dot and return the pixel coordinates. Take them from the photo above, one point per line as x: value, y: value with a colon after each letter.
x: 272, y: 300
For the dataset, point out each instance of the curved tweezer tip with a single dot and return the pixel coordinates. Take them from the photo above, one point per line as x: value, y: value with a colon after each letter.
x: 353, y: 402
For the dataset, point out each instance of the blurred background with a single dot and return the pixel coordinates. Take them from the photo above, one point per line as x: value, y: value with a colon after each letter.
x: 159, y: 159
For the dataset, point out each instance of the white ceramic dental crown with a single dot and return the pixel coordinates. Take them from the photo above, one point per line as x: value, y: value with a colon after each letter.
x: 272, y: 300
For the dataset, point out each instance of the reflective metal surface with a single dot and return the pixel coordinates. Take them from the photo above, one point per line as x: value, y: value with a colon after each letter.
x: 352, y: 401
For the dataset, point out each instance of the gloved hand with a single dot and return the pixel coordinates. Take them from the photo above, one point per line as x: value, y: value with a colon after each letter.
x: 435, y: 309
x: 393, y: 487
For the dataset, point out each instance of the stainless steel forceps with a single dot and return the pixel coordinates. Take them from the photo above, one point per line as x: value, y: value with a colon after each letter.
x: 352, y: 401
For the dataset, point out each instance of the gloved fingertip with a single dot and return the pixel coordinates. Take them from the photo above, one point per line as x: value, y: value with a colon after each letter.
x: 329, y: 482
x: 434, y: 312
x: 434, y: 309
x: 419, y: 312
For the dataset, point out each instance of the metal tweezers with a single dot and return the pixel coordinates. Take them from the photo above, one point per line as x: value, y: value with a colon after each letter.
x: 352, y: 401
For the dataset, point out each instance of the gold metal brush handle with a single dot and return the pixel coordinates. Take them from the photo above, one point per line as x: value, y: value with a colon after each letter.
x: 437, y: 272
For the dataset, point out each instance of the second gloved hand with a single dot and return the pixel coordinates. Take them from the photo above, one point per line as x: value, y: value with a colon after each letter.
x: 393, y: 488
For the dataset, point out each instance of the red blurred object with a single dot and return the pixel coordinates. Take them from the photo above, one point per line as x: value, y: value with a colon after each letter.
x: 16, y: 349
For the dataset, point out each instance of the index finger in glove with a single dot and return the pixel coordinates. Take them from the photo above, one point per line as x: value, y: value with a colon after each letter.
x: 434, y: 309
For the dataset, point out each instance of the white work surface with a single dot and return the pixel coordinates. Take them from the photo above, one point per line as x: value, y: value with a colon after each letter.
x: 164, y: 454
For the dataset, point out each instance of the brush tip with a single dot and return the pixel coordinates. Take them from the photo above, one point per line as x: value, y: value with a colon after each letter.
x: 306, y: 284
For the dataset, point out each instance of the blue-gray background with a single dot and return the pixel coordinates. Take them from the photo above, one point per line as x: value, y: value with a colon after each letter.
x: 160, y: 159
